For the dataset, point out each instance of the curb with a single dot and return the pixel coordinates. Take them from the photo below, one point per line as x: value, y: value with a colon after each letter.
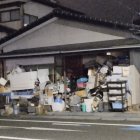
x: 113, y: 116
x: 90, y: 118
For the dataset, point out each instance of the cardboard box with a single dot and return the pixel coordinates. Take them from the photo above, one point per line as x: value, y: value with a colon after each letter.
x: 2, y: 89
x: 3, y: 81
x: 49, y: 92
x: 81, y: 93
x: 40, y: 110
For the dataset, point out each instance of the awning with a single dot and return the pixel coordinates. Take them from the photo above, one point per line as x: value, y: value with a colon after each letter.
x: 73, y: 48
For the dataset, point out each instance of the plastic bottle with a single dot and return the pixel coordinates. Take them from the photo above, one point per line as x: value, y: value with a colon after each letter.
x: 83, y: 107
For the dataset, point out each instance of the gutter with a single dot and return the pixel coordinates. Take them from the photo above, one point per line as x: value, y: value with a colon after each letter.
x: 8, y: 56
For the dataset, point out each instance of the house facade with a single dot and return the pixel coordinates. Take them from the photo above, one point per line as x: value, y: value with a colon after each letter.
x: 62, y: 40
x: 18, y: 14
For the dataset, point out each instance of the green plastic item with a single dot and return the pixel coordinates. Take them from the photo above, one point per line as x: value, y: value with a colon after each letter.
x: 83, y: 107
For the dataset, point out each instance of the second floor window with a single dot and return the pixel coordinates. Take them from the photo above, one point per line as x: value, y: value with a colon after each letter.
x: 5, y: 16
x: 29, y: 19
x: 11, y: 15
x: 15, y: 15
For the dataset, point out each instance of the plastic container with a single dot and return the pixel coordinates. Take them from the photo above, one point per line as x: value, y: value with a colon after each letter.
x: 81, y: 85
x: 16, y: 110
x: 117, y: 105
x: 88, y: 103
x: 83, y: 107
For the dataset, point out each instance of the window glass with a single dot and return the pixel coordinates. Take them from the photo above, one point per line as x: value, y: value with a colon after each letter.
x: 15, y: 15
x: 32, y: 19
x: 26, y: 20
x: 5, y: 16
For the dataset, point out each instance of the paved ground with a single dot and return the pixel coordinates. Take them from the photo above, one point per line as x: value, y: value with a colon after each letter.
x: 62, y: 129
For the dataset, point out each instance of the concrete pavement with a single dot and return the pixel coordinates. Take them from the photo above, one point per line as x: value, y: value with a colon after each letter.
x: 54, y: 129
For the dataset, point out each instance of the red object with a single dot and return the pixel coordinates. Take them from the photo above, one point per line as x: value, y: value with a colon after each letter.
x: 81, y: 85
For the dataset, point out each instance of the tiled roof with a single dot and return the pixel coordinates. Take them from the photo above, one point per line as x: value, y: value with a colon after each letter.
x: 117, y: 11
x: 68, y: 15
x: 56, y: 5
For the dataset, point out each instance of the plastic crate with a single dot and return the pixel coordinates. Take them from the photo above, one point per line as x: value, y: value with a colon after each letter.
x: 117, y: 105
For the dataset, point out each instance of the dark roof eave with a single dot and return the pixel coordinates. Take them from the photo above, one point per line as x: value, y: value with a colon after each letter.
x: 7, y: 29
x: 16, y: 3
x: 81, y: 48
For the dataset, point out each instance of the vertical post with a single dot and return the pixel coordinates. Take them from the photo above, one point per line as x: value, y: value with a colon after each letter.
x: 22, y: 15
x: 65, y: 80
x: 3, y: 67
x: 53, y: 73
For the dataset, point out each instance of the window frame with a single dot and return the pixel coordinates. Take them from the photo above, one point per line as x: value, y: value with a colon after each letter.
x: 10, y: 15
x: 25, y: 14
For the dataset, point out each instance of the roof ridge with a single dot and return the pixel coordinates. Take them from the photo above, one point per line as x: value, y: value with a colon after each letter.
x: 56, y: 5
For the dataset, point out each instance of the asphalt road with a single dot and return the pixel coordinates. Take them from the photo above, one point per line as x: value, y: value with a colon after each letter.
x: 44, y: 129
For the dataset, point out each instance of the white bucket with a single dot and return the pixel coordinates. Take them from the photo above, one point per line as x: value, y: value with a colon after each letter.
x: 16, y: 110
x: 88, y: 103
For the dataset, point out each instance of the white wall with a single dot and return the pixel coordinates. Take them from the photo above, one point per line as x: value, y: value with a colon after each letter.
x: 135, y: 76
x: 12, y: 63
x: 36, y: 9
x: 55, y: 34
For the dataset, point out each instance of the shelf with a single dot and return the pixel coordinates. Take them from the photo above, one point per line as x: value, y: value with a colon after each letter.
x: 114, y: 94
x: 116, y: 88
x: 116, y: 82
x: 110, y: 101
x: 117, y: 110
x: 120, y: 91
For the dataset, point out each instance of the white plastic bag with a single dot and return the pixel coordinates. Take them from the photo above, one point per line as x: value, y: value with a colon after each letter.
x: 58, y: 106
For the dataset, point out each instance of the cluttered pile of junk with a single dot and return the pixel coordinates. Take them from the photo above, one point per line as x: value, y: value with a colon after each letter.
x: 38, y: 95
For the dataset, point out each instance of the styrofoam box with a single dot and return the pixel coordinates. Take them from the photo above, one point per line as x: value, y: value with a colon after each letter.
x: 23, y: 81
x: 117, y: 70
